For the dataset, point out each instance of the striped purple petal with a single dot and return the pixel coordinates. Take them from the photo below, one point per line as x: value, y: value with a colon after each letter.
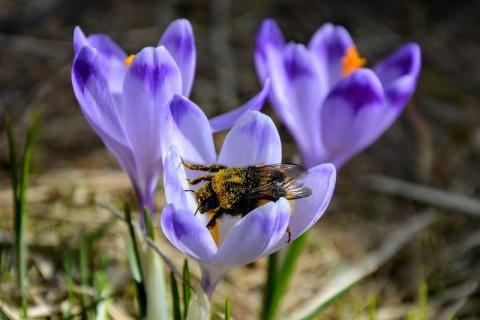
x: 350, y: 115
x: 150, y: 83
x: 254, y: 234
x: 180, y: 42
x: 253, y: 140
x: 268, y: 49
x: 188, y: 234
x: 399, y: 74
x: 328, y: 45
x: 187, y: 127
x: 307, y: 211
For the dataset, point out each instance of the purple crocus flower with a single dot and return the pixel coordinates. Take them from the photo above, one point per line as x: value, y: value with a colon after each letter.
x: 178, y: 39
x: 253, y: 140
x: 332, y: 107
x: 126, y: 106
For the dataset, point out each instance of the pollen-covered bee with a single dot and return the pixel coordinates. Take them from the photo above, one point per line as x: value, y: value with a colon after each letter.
x: 236, y: 191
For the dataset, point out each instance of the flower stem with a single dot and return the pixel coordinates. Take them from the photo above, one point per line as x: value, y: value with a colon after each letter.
x: 272, y: 273
x: 278, y: 285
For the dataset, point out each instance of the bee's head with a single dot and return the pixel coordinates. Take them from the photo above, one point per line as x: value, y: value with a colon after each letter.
x: 206, y: 198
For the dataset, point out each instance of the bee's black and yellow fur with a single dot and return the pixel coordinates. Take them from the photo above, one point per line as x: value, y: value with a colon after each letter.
x: 238, y: 190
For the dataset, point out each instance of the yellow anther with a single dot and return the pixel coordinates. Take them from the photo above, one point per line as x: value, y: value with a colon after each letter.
x: 128, y: 60
x: 352, y: 61
x: 215, y: 232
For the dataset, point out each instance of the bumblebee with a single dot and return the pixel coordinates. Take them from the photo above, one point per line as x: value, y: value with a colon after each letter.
x: 236, y: 191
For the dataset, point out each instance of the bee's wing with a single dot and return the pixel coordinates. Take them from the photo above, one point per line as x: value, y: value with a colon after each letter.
x: 280, y: 180
x: 281, y: 170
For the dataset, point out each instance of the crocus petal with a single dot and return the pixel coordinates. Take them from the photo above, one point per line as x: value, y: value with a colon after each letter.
x: 328, y: 45
x: 179, y: 41
x: 399, y: 74
x: 254, y: 234
x: 91, y: 89
x: 350, y: 115
x: 175, y: 181
x: 300, y: 96
x: 227, y: 120
x: 79, y: 39
x: 187, y: 127
x: 247, y: 241
x: 150, y: 83
x: 269, y: 47
x: 107, y: 47
x: 404, y: 61
x: 253, y: 140
x: 307, y: 211
x: 187, y: 233
x: 111, y: 56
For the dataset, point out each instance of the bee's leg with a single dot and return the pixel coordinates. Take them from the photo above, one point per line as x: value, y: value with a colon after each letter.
x: 194, y: 192
x: 214, y: 219
x: 203, y: 167
x: 200, y: 179
x: 289, y: 232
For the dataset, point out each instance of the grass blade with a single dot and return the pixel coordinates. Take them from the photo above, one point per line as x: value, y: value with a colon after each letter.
x: 84, y: 272
x: 227, y: 309
x: 187, y: 290
x: 68, y: 267
x: 19, y: 199
x: 177, y: 314
x: 141, y: 294
x: 13, y: 160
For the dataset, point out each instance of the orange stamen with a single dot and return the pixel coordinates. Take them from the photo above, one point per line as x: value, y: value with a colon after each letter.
x: 352, y: 61
x: 128, y: 60
x: 215, y: 232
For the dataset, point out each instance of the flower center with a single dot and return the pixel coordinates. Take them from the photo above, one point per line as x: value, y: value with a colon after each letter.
x: 128, y: 61
x: 352, y: 61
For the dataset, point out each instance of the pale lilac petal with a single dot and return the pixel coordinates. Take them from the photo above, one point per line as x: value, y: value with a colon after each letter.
x: 187, y: 127
x: 269, y: 48
x: 187, y: 233
x: 175, y: 182
x: 307, y: 211
x: 328, y: 45
x: 91, y: 89
x: 79, y: 39
x: 150, y: 83
x: 399, y: 74
x: 404, y: 61
x: 254, y: 234
x: 113, y: 59
x: 107, y: 47
x: 253, y: 140
x: 227, y: 120
x: 180, y: 42
x: 304, y: 90
x: 350, y: 115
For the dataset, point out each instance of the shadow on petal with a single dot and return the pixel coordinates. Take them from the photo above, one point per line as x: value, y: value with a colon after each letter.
x: 254, y: 234
x: 188, y: 234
